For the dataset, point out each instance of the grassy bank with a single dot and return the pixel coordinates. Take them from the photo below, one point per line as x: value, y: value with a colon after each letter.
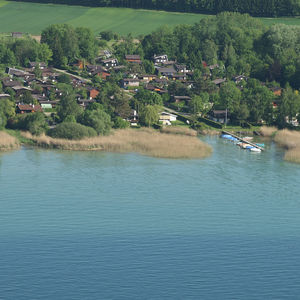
x: 143, y: 141
x: 8, y: 142
x: 33, y: 18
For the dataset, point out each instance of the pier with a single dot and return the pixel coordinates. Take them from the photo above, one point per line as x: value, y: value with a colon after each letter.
x: 242, y: 140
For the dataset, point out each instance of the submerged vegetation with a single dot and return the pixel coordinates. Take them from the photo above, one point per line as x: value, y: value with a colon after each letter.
x: 143, y: 141
x: 8, y: 142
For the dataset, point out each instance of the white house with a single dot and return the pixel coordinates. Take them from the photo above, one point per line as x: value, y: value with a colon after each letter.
x: 167, y: 118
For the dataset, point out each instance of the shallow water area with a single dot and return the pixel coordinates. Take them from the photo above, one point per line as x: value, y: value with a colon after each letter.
x: 94, y: 225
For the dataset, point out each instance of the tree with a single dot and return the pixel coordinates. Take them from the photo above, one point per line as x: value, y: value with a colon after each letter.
x: 28, y: 99
x: 230, y: 96
x: 148, y: 98
x: 86, y: 43
x: 120, y: 123
x: 289, y: 106
x: 97, y: 119
x: 7, y: 108
x: 120, y: 104
x: 149, y: 115
x: 37, y: 71
x: 64, y: 78
x: 68, y: 106
x: 196, y: 105
x: 63, y: 41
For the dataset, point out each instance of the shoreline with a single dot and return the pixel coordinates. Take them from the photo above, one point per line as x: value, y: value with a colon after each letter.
x: 144, y: 141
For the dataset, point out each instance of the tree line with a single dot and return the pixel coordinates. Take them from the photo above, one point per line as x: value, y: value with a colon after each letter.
x: 267, y: 8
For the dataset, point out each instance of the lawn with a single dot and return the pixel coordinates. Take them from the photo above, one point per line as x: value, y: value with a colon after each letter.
x: 33, y: 18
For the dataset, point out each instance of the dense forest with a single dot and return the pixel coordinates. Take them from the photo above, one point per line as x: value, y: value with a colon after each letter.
x: 268, y: 8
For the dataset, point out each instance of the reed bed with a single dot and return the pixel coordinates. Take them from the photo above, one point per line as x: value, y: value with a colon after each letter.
x: 179, y: 130
x: 8, y: 142
x: 143, y: 141
x: 289, y: 140
x: 268, y: 131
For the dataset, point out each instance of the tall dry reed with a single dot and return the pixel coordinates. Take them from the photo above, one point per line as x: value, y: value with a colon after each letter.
x: 144, y: 141
x: 268, y: 131
x: 179, y: 130
x: 289, y: 140
x: 8, y: 142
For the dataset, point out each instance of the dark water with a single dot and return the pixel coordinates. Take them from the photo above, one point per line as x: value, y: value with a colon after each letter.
x: 76, y: 225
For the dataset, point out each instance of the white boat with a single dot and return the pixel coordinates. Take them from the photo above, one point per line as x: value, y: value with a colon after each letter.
x: 253, y: 149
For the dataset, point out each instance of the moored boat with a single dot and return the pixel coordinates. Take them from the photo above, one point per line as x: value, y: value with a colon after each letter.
x: 254, y: 149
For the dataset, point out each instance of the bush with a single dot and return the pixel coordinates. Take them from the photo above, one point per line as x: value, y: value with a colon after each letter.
x: 120, y: 123
x: 33, y: 122
x: 71, y: 131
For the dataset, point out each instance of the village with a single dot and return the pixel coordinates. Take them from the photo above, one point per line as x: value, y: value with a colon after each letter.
x: 36, y: 88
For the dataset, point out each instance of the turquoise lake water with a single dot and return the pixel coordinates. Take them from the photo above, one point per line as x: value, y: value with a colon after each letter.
x: 90, y: 225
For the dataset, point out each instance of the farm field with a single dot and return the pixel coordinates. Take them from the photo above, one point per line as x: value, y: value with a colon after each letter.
x: 33, y: 18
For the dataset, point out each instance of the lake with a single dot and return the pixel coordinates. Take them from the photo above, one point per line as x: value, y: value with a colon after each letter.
x: 92, y: 225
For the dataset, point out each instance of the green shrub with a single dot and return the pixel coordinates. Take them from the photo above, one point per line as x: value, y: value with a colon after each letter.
x: 120, y: 123
x: 33, y: 122
x: 71, y: 131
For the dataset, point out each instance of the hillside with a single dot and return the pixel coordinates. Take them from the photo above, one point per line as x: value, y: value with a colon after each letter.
x: 33, y: 18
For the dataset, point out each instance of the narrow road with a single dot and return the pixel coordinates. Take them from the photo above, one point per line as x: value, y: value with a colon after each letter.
x: 75, y: 76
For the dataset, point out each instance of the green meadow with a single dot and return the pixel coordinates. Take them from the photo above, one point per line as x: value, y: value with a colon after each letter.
x: 33, y: 18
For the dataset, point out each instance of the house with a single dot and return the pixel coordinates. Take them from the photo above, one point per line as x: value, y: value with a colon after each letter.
x: 33, y: 64
x: 181, y: 68
x: 167, y: 72
x: 181, y: 77
x: 220, y: 116
x: 276, y: 90
x: 212, y: 67
x: 48, y: 103
x: 20, y: 90
x: 147, y: 78
x: 28, y: 108
x: 133, y: 119
x: 17, y: 35
x: 178, y: 99
x: 239, y: 78
x: 133, y: 59
x: 4, y: 96
x: 104, y: 53
x: 46, y: 106
x: 8, y: 82
x: 16, y: 72
x: 95, y: 69
x: 131, y: 82
x: 118, y: 68
x: 85, y: 102
x: 49, y: 74
x: 219, y: 81
x: 110, y: 62
x: 158, y: 59
x: 93, y: 93
x: 167, y: 118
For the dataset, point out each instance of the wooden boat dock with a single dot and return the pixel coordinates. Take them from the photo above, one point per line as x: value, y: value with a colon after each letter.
x: 244, y: 141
